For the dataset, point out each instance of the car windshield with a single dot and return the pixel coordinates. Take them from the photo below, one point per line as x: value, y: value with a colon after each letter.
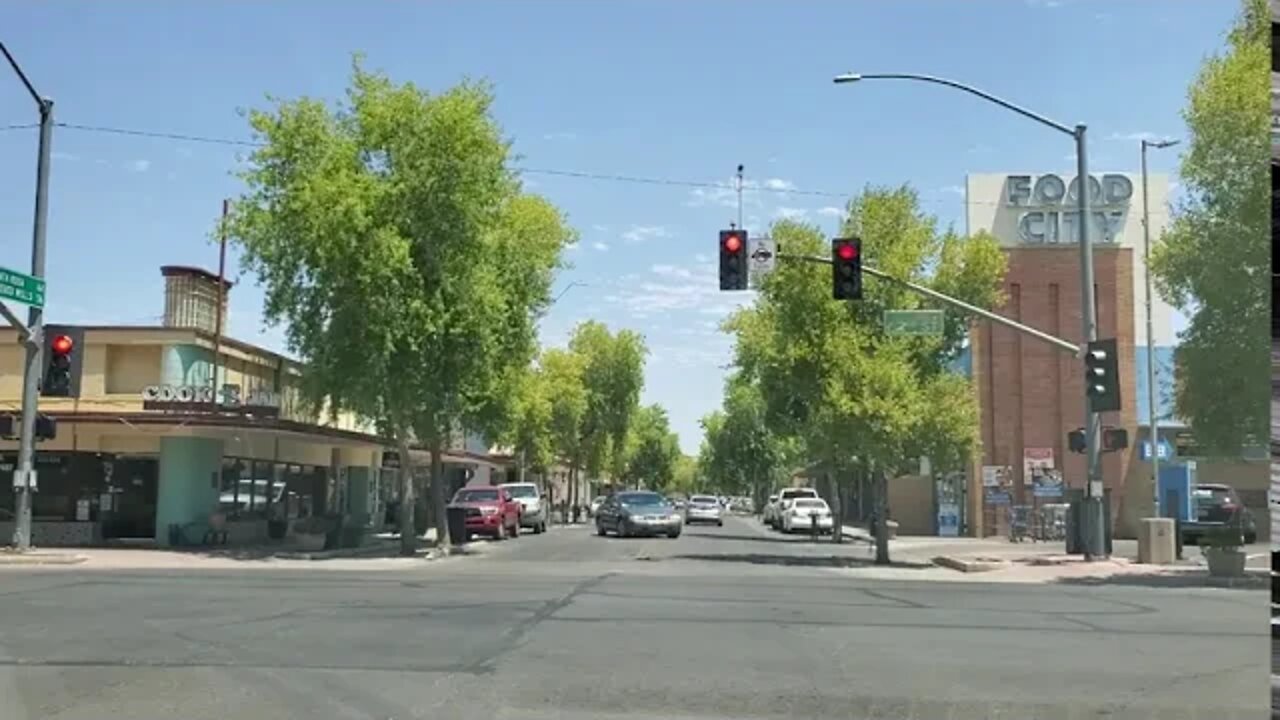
x: 641, y: 500
x: 476, y: 496
x: 792, y: 494
x: 703, y: 500
x: 523, y: 491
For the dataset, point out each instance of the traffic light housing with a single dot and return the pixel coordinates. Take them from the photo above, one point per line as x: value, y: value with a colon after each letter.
x: 1102, y: 375
x: 733, y: 259
x: 63, y: 361
x: 10, y: 427
x: 846, y: 268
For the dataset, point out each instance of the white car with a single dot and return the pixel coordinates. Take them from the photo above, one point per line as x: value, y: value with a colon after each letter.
x: 533, y: 512
x: 703, y: 508
x: 773, y: 513
x: 805, y: 513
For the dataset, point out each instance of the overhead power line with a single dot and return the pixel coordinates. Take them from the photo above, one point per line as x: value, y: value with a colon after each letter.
x: 232, y: 142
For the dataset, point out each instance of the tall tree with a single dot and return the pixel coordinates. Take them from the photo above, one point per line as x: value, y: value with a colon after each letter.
x: 612, y: 375
x: 381, y: 230
x: 741, y: 452
x: 832, y: 378
x: 1213, y: 261
x: 561, y: 374
x: 652, y: 453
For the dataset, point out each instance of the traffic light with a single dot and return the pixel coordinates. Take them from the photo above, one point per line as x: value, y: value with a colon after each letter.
x: 733, y: 259
x: 846, y: 267
x: 1102, y: 375
x: 10, y: 427
x: 1076, y: 442
x: 63, y: 360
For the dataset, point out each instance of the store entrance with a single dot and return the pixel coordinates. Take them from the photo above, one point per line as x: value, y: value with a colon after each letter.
x: 132, y: 483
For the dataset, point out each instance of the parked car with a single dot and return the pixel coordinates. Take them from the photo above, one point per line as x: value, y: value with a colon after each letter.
x: 490, y: 511
x: 704, y: 508
x: 533, y: 511
x: 1215, y: 505
x: 638, y: 512
x: 595, y: 505
x: 773, y: 512
x: 805, y: 513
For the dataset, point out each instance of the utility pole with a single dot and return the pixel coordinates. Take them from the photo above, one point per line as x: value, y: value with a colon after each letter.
x: 24, y: 477
x: 740, y: 169
x: 1152, y: 397
x: 1094, y: 518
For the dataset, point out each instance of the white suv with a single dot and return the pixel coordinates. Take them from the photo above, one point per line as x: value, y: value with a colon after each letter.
x: 773, y: 512
x: 533, y: 511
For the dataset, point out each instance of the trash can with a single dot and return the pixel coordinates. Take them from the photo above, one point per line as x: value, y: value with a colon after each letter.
x: 457, y: 521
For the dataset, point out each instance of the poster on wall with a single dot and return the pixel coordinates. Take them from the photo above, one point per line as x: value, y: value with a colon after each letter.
x: 997, y: 476
x: 948, y: 520
x: 1035, y: 460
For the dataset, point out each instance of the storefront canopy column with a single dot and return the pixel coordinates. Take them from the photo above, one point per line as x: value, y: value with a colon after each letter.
x: 190, y: 471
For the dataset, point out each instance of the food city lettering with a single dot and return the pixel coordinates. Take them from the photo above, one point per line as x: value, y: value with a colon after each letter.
x: 1047, y: 206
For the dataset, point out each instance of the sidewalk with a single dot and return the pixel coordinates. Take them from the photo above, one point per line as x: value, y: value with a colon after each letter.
x: 998, y: 560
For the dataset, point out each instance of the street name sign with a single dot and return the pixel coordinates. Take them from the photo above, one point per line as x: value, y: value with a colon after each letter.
x: 764, y: 258
x: 22, y: 288
x: 913, y: 322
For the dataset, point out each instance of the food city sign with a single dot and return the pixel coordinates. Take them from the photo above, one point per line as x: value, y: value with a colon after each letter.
x: 1046, y: 207
x: 203, y: 398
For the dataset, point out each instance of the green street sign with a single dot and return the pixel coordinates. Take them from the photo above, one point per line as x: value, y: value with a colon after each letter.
x: 22, y: 288
x: 913, y: 322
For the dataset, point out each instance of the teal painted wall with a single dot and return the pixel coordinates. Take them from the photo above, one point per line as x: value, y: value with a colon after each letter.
x: 187, y: 492
x: 186, y: 365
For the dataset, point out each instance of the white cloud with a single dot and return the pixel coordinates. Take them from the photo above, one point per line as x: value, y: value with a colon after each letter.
x: 640, y: 233
x: 831, y: 211
x: 573, y: 246
x: 692, y: 355
x: 600, y: 246
x: 140, y: 166
x: 954, y: 189
x: 725, y: 194
x: 1136, y: 137
x: 600, y: 228
x: 790, y: 213
x: 678, y: 288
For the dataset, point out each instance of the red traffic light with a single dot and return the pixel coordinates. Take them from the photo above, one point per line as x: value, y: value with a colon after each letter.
x: 732, y: 244
x: 847, y: 252
x: 62, y: 344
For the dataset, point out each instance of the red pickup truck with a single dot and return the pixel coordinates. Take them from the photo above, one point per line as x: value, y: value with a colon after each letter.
x: 490, y: 511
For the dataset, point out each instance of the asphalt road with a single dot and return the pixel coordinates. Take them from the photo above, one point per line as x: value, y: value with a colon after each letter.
x: 732, y: 622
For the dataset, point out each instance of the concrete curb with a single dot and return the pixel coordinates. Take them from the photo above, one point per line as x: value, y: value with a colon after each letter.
x: 968, y: 566
x: 36, y: 558
x: 389, y: 550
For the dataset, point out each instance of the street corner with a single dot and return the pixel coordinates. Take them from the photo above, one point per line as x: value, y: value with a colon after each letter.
x: 39, y: 557
x: 970, y: 565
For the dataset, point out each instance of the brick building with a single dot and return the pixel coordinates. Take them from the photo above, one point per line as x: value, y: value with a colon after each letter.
x: 1031, y: 393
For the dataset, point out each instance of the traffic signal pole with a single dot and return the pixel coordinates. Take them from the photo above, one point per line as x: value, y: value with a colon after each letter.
x: 1053, y: 340
x: 1094, y: 535
x: 23, y: 476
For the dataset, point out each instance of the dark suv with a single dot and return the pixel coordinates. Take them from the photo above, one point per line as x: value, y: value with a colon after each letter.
x: 1216, y: 505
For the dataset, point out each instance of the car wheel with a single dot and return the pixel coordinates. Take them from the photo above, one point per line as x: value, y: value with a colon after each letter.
x: 674, y: 535
x: 501, y: 534
x: 537, y: 529
x: 600, y: 530
x: 1250, y: 538
x: 719, y: 523
x: 515, y: 529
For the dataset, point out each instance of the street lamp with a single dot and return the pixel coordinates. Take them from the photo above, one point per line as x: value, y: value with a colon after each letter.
x: 566, y: 289
x: 1094, y: 543
x: 1153, y: 407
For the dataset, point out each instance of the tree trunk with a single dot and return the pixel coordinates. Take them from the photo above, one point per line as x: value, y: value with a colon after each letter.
x: 837, y: 506
x: 408, y: 498
x: 882, y: 526
x: 438, y: 499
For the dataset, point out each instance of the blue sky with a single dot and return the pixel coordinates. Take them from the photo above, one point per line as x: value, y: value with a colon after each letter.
x: 663, y: 90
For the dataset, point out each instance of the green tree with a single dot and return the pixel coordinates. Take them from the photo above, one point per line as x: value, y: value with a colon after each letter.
x: 530, y: 431
x: 652, y: 451
x: 828, y: 374
x: 612, y: 367
x: 561, y: 374
x: 1213, y: 261
x: 379, y: 230
x: 741, y: 453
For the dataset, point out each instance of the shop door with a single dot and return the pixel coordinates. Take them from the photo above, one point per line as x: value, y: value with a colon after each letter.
x: 132, y: 484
